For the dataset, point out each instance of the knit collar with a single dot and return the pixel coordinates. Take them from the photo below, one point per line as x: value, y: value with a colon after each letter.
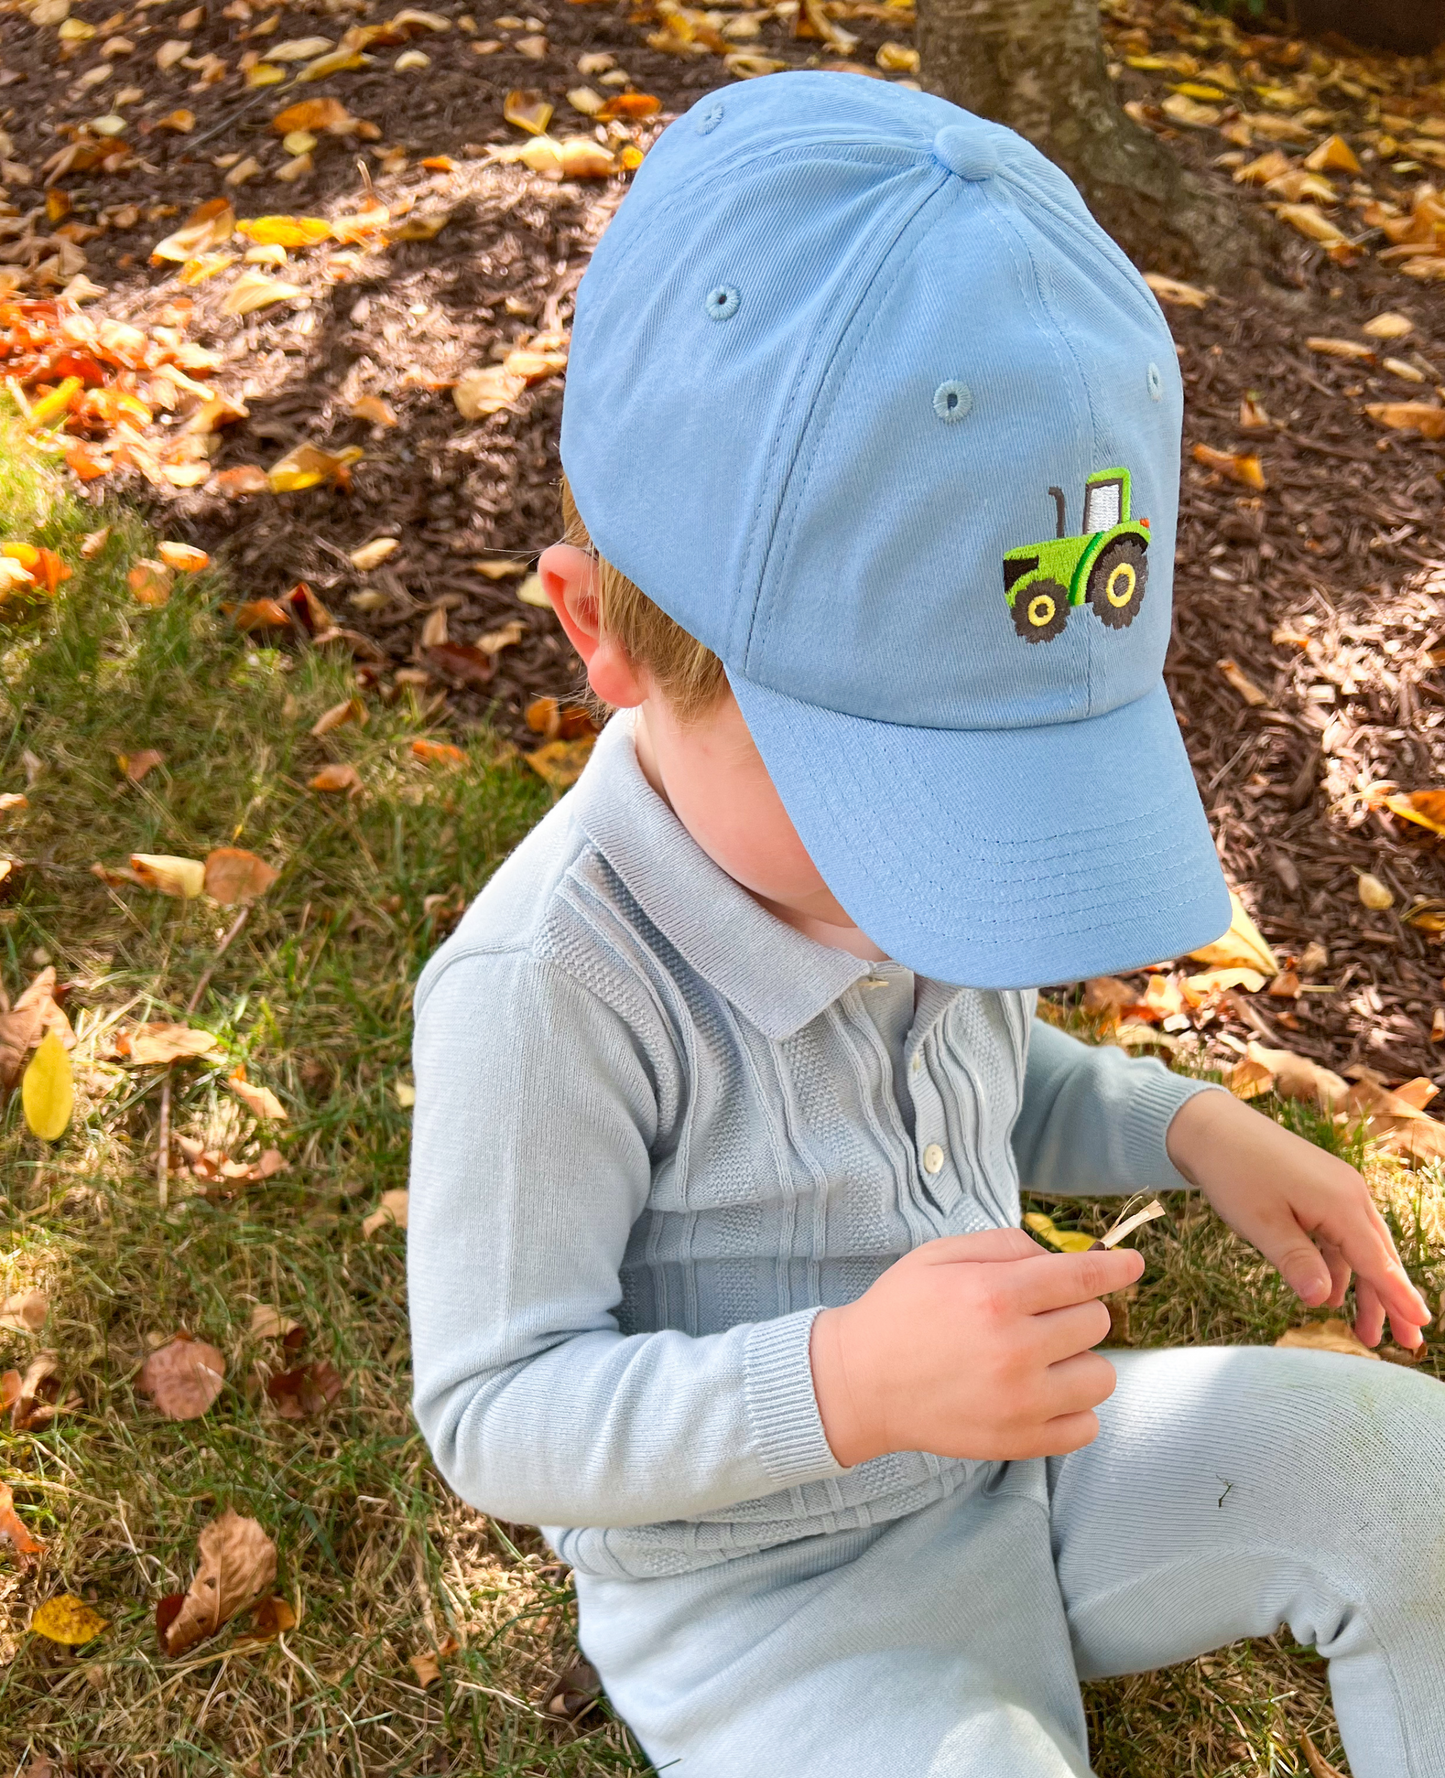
x: 776, y: 977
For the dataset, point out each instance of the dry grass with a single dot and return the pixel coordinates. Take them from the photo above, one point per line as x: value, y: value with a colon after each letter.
x: 379, y: 1562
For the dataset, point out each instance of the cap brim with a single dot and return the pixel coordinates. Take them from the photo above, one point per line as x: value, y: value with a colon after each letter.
x: 1002, y: 858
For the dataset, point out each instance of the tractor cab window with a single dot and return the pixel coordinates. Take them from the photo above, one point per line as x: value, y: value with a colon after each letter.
x: 1102, y: 505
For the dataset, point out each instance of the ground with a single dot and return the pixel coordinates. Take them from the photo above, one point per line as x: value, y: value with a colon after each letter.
x: 1321, y: 588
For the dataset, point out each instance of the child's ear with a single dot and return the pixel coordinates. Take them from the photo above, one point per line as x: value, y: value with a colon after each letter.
x: 569, y: 579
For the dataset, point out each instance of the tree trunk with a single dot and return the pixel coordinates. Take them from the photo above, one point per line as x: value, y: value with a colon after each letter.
x: 1038, y: 66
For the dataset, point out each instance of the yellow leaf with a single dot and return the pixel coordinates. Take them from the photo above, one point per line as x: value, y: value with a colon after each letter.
x: 68, y: 1620
x: 308, y: 466
x: 339, y: 61
x: 392, y: 1209
x: 1242, y: 946
x: 560, y: 763
x: 1217, y: 980
x: 1331, y: 348
x: 1388, y: 326
x: 265, y: 74
x: 1425, y: 417
x: 184, y: 878
x: 528, y: 109
x: 1373, y: 893
x: 150, y: 581
x: 373, y: 554
x: 285, y: 231
x: 1065, y: 1240
x: 185, y: 558
x: 1334, y: 155
x: 299, y: 49
x: 50, y: 407
x: 1179, y: 108
x: 1170, y: 290
x: 47, y: 1092
x: 1308, y: 221
x: 486, y: 391
x: 894, y: 58
x: 254, y: 290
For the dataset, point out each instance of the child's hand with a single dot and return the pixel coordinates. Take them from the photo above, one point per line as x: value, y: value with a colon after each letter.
x: 972, y: 1346
x: 1308, y: 1212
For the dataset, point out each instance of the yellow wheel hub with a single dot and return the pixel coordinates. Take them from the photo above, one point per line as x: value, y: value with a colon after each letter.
x: 1041, y: 609
x: 1119, y: 587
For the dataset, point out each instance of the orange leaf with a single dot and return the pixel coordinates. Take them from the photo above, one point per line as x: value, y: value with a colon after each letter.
x: 234, y: 875
x: 183, y: 1377
x: 336, y: 777
x: 248, y: 478
x: 261, y: 614
x: 437, y: 753
x: 185, y: 558
x: 150, y: 581
x: 1425, y: 807
x: 24, y: 1545
x: 1239, y: 466
x: 629, y: 105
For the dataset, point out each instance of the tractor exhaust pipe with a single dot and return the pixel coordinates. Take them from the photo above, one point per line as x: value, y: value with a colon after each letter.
x: 1058, y: 494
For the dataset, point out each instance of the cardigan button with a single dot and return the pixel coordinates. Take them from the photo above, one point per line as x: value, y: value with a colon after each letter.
x: 932, y: 1158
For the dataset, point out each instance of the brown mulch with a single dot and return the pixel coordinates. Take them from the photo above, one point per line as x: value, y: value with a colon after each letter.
x: 1342, y: 552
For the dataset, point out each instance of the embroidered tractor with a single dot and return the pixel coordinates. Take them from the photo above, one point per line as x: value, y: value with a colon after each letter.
x: 1106, y: 565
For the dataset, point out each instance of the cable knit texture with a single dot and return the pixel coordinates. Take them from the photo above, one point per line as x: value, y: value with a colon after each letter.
x: 656, y: 1131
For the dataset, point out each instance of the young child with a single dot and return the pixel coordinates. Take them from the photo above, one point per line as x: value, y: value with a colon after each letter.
x: 715, y: 1264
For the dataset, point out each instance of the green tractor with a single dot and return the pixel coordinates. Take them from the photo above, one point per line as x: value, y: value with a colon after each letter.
x: 1106, y: 565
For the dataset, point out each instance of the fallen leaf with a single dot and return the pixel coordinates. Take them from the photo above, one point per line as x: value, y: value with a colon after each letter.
x: 308, y: 465
x: 1240, y: 466
x: 1425, y: 417
x: 1249, y: 1078
x: 34, y: 1013
x: 1373, y: 893
x: 1105, y: 996
x: 437, y: 752
x: 1242, y: 946
x: 1348, y: 349
x: 185, y: 558
x: 1424, y: 807
x: 633, y: 106
x: 1334, y: 155
x: 373, y: 554
x: 462, y: 662
x: 1285, y: 986
x: 268, y: 1323
x: 1319, y: 1766
x: 47, y: 1090
x: 1297, y: 1077
x: 271, y: 1618
x: 391, y: 1209
x: 68, y: 1620
x: 427, y: 1664
x: 1171, y: 290
x: 25, y: 1312
x: 149, y: 1045
x: 336, y: 777
x: 205, y: 228
x: 134, y: 766
x: 528, y: 110
x: 486, y: 391
x: 246, y: 478
x: 560, y: 763
x: 150, y: 581
x: 306, y: 1391
x: 1065, y: 1240
x: 532, y: 592
x: 508, y: 636
x: 94, y: 542
x: 254, y: 290
x: 1308, y: 220
x: 13, y: 800
x: 238, y: 1564
x: 261, y: 1102
x: 13, y: 1528
x: 1327, y: 1336
x: 184, y: 878
x: 1241, y: 682
x: 374, y: 409
x: 894, y: 58
x: 233, y: 875
x: 183, y: 1377
x: 285, y: 231
x: 1217, y: 981
x: 1388, y: 326
x: 503, y: 570
x: 351, y: 710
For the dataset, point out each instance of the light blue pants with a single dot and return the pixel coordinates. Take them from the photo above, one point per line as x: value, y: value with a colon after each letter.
x: 1230, y: 1490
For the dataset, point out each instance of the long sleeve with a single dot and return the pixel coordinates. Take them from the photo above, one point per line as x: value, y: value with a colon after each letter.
x: 1094, y: 1120
x: 535, y: 1115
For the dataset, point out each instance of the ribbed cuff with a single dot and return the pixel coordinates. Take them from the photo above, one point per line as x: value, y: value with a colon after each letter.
x: 782, y: 1408
x: 1157, y: 1096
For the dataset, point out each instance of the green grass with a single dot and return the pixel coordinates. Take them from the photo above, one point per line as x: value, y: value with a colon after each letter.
x: 377, y: 1559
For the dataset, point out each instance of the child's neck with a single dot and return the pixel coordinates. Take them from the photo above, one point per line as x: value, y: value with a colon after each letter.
x: 840, y: 936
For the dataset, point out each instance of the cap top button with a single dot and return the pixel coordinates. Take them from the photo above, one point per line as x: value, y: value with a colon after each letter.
x: 968, y: 153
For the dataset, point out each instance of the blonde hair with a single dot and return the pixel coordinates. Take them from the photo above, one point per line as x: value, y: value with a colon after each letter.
x: 688, y: 675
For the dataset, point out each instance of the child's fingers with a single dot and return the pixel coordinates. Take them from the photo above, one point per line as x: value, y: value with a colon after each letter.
x: 1369, y: 1250
x: 1340, y: 1273
x: 1369, y: 1314
x: 1293, y: 1253
x: 1055, y: 1280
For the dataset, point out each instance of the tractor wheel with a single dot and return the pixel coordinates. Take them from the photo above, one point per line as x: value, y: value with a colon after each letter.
x: 1041, y: 609
x: 1117, y: 581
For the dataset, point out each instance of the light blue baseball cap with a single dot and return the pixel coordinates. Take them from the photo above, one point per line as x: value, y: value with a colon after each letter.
x: 865, y: 400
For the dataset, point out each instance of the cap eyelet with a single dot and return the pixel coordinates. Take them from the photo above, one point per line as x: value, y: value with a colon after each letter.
x: 1156, y: 383
x: 722, y: 303
x: 951, y: 401
x: 709, y: 120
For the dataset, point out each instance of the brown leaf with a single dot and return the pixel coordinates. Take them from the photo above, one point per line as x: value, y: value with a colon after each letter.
x: 1170, y: 290
x: 13, y: 1528
x: 233, y: 875
x: 163, y: 1043
x: 268, y: 1323
x: 306, y: 1391
x: 391, y: 1210
x: 1319, y: 1766
x: 33, y: 1399
x: 352, y: 710
x: 261, y: 1102
x: 1327, y: 1336
x: 271, y: 1618
x: 313, y: 615
x: 462, y: 662
x: 1297, y: 1077
x: 238, y: 1565
x: 1106, y: 997
x: 1425, y: 417
x: 560, y: 763
x: 25, y: 1312
x: 183, y: 1377
x: 336, y: 777
x: 135, y: 765
x: 1239, y: 466
x: 21, y: 1028
x: 1242, y: 683
x: 427, y: 1664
